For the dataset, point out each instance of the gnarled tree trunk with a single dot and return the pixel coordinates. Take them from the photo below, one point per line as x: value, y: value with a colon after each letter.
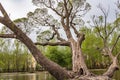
x: 79, y: 65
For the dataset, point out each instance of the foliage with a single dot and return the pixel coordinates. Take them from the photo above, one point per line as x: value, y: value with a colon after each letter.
x: 92, y: 47
x: 60, y: 55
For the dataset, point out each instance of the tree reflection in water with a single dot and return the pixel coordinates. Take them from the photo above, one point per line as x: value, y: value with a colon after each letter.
x: 26, y: 76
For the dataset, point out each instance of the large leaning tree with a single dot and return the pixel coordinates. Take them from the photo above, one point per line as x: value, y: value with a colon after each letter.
x: 64, y: 23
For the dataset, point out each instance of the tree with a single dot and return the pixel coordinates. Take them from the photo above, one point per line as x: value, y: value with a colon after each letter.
x: 109, y: 34
x: 57, y: 71
x: 69, y: 13
x: 70, y: 19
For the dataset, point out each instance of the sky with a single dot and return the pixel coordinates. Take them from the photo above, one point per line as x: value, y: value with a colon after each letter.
x: 20, y: 8
x: 17, y: 8
x: 107, y: 4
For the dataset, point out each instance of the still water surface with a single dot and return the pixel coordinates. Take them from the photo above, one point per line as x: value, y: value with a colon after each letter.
x: 41, y: 76
x: 26, y: 76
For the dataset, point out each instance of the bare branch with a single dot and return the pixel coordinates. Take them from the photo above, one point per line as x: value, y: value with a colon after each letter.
x: 105, y: 16
x: 81, y: 38
x: 66, y: 9
x: 111, y: 31
x: 97, y: 27
x: 53, y: 9
x: 99, y: 32
x: 57, y: 33
x: 8, y: 36
x: 51, y: 37
x: 64, y: 43
x: 72, y: 24
x: 75, y: 30
x: 118, y: 55
x: 55, y: 30
x: 113, y: 67
x: 115, y: 43
x: 71, y: 7
x: 66, y: 28
x: 3, y: 12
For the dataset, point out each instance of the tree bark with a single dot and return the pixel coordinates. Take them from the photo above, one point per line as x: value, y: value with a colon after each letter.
x: 113, y: 67
x: 79, y: 67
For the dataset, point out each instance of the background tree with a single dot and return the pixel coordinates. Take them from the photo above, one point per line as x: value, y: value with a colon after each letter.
x: 109, y: 34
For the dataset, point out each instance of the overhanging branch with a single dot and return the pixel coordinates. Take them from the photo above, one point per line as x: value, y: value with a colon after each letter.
x: 64, y: 43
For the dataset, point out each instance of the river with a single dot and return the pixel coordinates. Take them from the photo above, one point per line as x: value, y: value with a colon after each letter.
x: 41, y: 76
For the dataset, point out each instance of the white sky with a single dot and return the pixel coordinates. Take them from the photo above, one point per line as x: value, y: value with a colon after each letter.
x: 105, y: 4
x: 19, y: 8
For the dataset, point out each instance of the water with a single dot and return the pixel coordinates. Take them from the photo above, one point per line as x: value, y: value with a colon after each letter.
x: 101, y: 71
x: 42, y: 76
x: 26, y: 76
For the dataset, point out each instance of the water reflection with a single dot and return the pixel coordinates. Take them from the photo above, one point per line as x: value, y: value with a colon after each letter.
x: 26, y: 76
x: 42, y: 75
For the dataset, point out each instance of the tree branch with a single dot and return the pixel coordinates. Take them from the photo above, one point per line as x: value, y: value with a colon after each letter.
x: 64, y: 43
x: 81, y: 38
x: 71, y: 7
x: 8, y: 36
x: 118, y: 55
x: 115, y: 43
x: 66, y: 28
x: 57, y: 33
x: 105, y: 16
x: 66, y: 9
x: 113, y: 67
x: 3, y: 12
x: 52, y: 8
x: 99, y: 33
x: 75, y: 30
x: 97, y: 27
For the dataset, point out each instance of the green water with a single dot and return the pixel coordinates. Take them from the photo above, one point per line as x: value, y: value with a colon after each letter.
x: 42, y: 75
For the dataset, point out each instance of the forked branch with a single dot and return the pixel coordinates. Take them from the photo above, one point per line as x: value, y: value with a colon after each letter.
x: 57, y: 33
